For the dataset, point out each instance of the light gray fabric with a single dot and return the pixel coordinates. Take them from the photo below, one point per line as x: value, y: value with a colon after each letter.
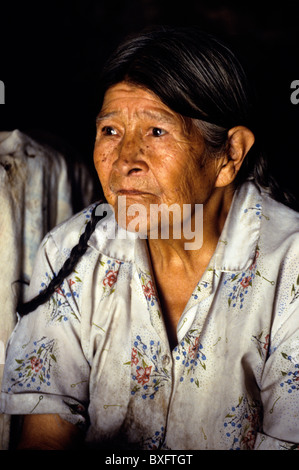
x: 36, y: 194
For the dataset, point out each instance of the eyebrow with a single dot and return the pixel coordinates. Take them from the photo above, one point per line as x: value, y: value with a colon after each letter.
x: 102, y: 117
x: 162, y: 116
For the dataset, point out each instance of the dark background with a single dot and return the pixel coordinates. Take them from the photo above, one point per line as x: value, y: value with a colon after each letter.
x: 52, y: 53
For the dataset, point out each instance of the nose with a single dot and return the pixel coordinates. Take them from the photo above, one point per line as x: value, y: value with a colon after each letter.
x: 130, y: 157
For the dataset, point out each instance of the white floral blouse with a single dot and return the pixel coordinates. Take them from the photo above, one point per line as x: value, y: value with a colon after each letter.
x: 97, y: 353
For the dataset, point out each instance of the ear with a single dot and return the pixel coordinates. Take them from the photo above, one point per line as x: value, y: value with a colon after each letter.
x: 240, y: 141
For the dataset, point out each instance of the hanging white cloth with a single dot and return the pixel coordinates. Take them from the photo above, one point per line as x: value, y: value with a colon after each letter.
x: 36, y: 193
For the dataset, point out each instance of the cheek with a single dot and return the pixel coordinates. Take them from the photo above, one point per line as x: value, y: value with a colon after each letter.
x: 189, y: 181
x: 177, y: 169
x: 102, y: 163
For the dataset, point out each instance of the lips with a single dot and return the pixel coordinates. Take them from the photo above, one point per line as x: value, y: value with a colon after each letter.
x: 131, y: 192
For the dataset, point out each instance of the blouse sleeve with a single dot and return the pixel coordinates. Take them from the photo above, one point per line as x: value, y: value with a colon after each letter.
x: 280, y: 378
x: 45, y: 368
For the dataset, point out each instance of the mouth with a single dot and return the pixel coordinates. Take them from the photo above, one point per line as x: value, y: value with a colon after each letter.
x: 131, y: 192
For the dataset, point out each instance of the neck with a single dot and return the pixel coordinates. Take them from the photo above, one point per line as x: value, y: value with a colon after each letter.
x: 185, y: 253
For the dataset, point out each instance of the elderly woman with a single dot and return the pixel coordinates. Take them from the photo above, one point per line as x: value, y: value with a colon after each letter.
x: 137, y: 342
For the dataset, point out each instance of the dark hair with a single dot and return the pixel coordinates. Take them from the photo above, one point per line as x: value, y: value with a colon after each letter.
x: 76, y: 253
x: 192, y: 72
x: 198, y: 77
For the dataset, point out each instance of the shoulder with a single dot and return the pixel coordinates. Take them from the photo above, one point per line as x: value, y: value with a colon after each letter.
x: 107, y: 238
x: 279, y: 237
x: 56, y: 247
x: 279, y: 225
x: 67, y: 234
x: 277, y: 265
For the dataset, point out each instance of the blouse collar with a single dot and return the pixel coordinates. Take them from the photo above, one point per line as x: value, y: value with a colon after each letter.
x: 235, y: 250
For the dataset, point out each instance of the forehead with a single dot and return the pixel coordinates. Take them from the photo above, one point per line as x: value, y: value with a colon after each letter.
x: 128, y: 98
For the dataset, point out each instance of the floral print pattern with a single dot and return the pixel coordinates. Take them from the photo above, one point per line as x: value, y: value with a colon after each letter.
x: 242, y: 423
x: 154, y: 442
x: 258, y: 211
x: 262, y: 341
x: 35, y: 368
x: 291, y: 382
x: 240, y: 283
x: 190, y: 352
x: 148, y: 287
x: 110, y: 278
x: 60, y: 306
x: 147, y: 371
x: 104, y: 348
x: 295, y: 291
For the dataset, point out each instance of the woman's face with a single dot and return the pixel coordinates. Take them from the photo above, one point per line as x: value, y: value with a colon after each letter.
x: 144, y: 152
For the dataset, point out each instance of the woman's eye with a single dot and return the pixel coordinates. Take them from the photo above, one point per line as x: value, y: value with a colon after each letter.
x: 158, y: 132
x: 108, y: 130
